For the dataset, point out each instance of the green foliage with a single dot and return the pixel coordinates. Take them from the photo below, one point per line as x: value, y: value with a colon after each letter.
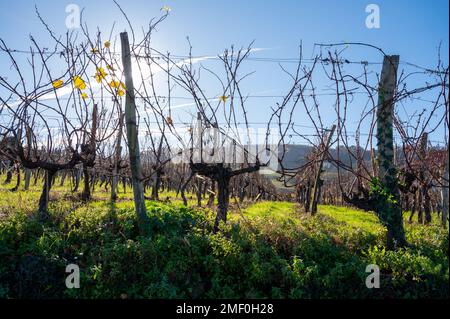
x: 275, y: 252
x: 425, y: 275
x: 381, y: 193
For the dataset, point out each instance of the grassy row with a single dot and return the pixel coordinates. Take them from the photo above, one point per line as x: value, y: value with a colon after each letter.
x: 267, y: 250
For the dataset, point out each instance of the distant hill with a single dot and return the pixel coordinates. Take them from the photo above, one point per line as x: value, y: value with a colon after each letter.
x: 296, y: 156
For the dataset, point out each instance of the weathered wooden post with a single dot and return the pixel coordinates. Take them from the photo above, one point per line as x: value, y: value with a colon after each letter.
x: 387, y: 204
x: 27, y: 170
x: 445, y: 179
x: 317, y: 181
x: 373, y: 160
x: 115, y: 178
x: 424, y: 187
x: 132, y: 135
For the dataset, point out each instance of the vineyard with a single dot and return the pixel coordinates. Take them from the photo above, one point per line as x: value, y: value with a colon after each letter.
x: 267, y: 250
x: 230, y: 194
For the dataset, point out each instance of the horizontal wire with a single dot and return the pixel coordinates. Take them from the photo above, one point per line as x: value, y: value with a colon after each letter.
x: 218, y: 57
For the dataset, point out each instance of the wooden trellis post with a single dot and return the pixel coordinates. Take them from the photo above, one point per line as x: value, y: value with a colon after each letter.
x: 424, y: 188
x: 388, y: 205
x: 132, y: 135
x: 317, y: 181
x: 27, y: 170
x: 445, y: 179
x: 115, y: 178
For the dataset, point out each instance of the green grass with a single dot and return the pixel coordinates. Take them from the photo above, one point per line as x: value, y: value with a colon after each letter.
x: 366, y: 221
x: 271, y: 250
x: 267, y: 209
x: 62, y: 196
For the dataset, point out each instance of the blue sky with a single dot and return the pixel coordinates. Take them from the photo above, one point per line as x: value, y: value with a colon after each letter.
x: 412, y: 29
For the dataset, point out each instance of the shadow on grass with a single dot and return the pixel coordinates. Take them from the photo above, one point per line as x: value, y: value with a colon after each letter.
x: 313, y: 257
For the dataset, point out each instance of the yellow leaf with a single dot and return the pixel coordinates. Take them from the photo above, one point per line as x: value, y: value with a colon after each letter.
x: 123, y: 85
x: 84, y: 96
x: 79, y: 83
x: 223, y: 98
x: 114, y: 84
x: 100, y: 75
x: 101, y: 72
x: 58, y: 83
x: 107, y: 44
x: 120, y: 92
